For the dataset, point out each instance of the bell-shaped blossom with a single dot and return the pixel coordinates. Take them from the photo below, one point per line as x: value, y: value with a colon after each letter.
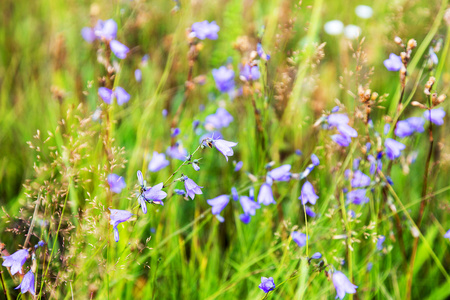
x: 310, y: 212
x: 238, y: 166
x: 265, y: 195
x: 435, y: 116
x: 249, y: 73
x: 224, y: 79
x: 220, y: 119
x: 393, y: 148
x: 106, y: 29
x: 119, y: 49
x: 360, y: 179
x: 106, y: 94
x: 191, y: 187
x: 357, y: 196
x: 224, y: 147
x: 248, y: 205
x: 347, y: 130
x: 234, y: 194
x: 343, y: 285
x: 158, y: 162
x: 281, y: 173
x: 299, y: 238
x: 138, y: 75
x: 27, y: 284
x: 380, y: 242
x: 245, y: 218
x: 116, y: 183
x: 118, y: 216
x: 394, y: 63
x: 337, y: 119
x: 177, y: 152
x: 316, y: 255
x: 409, y: 126
x: 308, y: 194
x: 261, y: 52
x: 155, y: 194
x: 88, y: 34
x: 119, y: 93
x: 16, y: 260
x: 267, y: 284
x: 218, y: 203
x: 341, y: 140
x: 315, y: 160
x: 205, y: 30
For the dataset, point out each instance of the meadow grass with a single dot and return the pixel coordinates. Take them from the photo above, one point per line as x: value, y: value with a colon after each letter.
x: 55, y: 156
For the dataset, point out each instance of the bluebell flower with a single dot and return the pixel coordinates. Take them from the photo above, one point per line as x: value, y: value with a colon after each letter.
x: 281, y: 173
x: 249, y: 73
x: 177, y: 152
x: 191, y: 187
x: 106, y: 94
x: 351, y: 214
x: 389, y: 180
x: 357, y: 196
x: 310, y: 212
x: 341, y: 140
x: 369, y: 266
x: 88, y: 34
x: 155, y: 194
x: 387, y: 127
x: 306, y: 172
x: 179, y: 192
x: 447, y: 234
x: 245, y: 218
x: 106, y: 29
x: 261, y: 52
x: 175, y: 132
x: 238, y: 166
x: 373, y: 164
x: 393, y: 148
x: 119, y: 93
x: 403, y: 129
x: 356, y: 162
x: 196, y: 165
x: 360, y: 179
x: 224, y: 79
x: 234, y: 194
x: 116, y: 183
x: 158, y: 162
x: 342, y: 285
x: 380, y: 242
x: 27, y: 284
x: 248, y: 205
x: 308, y: 194
x: 298, y: 152
x: 335, y: 109
x: 436, y: 116
x: 315, y: 160
x: 218, y: 203
x: 40, y: 244
x: 205, y: 30
x: 224, y: 147
x: 118, y: 216
x: 265, y: 195
x: 119, y: 49
x: 138, y: 75
x: 337, y: 119
x: 394, y: 63
x: 16, y: 260
x: 267, y: 284
x: 347, y: 173
x: 368, y: 146
x: 220, y: 119
x: 433, y: 57
x: 316, y: 255
x: 299, y: 238
x: 416, y: 123
x: 347, y: 130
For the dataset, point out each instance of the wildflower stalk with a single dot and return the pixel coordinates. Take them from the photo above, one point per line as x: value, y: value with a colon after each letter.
x: 259, y: 127
x: 33, y: 221
x: 306, y: 229
x: 183, y: 164
x: 5, y: 290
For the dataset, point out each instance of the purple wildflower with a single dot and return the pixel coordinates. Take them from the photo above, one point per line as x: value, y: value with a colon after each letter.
x: 308, y: 194
x: 16, y: 260
x: 342, y: 285
x: 360, y: 179
x: 357, y: 196
x: 191, y: 187
x: 224, y: 147
x: 281, y: 173
x: 116, y: 183
x: 261, y: 52
x: 248, y: 205
x: 204, y: 30
x: 380, y: 242
x: 108, y: 95
x: 224, y: 79
x: 121, y: 95
x: 27, y: 284
x: 138, y: 75
x: 249, y: 73
x: 265, y: 195
x: 315, y: 160
x: 310, y: 212
x: 394, y: 63
x: 393, y: 148
x: 369, y: 266
x: 220, y: 119
x: 387, y: 127
x: 179, y: 192
x: 298, y: 152
x: 234, y: 194
x: 118, y: 216
x: 175, y: 132
x: 347, y: 130
x: 316, y: 255
x: 238, y: 166
x: 155, y: 194
x: 436, y: 116
x: 341, y: 140
x: 335, y: 109
x: 337, y: 119
x: 177, y: 152
x: 157, y: 162
x: 403, y: 129
x: 218, y: 203
x: 447, y: 234
x: 245, y: 218
x: 299, y: 238
x: 164, y: 113
x: 106, y: 29
x: 119, y: 49
x: 88, y: 34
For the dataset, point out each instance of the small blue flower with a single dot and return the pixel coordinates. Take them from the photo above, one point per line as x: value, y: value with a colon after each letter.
x: 138, y: 75
x: 310, y: 212
x: 177, y: 152
x: 249, y: 73
x: 335, y: 109
x: 157, y: 162
x: 380, y: 242
x: 386, y: 129
x: 267, y: 284
x: 106, y: 29
x: 116, y: 183
x: 315, y: 160
x: 357, y: 196
x: 281, y: 173
x: 234, y: 194
x: 248, y: 205
x: 175, y: 132
x: 341, y: 140
x: 218, y: 203
x: 360, y: 179
x: 205, y: 30
x: 27, y: 284
x: 394, y: 63
x: 265, y: 195
x: 308, y: 194
x: 299, y: 238
x: 16, y: 260
x: 436, y: 116
x: 191, y: 187
x: 119, y: 93
x: 238, y: 166
x: 393, y: 148
x: 342, y: 285
x: 155, y: 194
x: 298, y: 152
x: 245, y: 218
x: 337, y: 119
x: 369, y: 266
x: 224, y: 147
x: 179, y: 192
x: 447, y: 234
x: 119, y: 49
x: 261, y: 52
x: 118, y: 216
x: 220, y: 119
x: 316, y: 255
x: 224, y: 79
x: 347, y: 130
x: 88, y: 34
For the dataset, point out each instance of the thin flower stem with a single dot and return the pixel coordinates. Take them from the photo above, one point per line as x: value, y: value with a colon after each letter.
x: 183, y: 164
x: 30, y: 231
x: 306, y: 225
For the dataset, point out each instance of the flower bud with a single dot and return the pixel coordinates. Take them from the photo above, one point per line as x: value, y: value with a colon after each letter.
x: 398, y: 41
x: 411, y: 44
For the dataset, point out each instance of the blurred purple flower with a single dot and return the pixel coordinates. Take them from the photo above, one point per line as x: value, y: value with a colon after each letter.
x: 245, y: 218
x: 16, y: 260
x: 224, y: 79
x: 299, y: 238
x: 281, y: 173
x: 155, y: 194
x: 121, y: 95
x: 175, y: 132
x: 394, y: 63
x: 177, y: 152
x: 27, y: 284
x: 116, y: 183
x: 315, y: 160
x: 341, y: 140
x: 369, y: 266
x: 267, y: 284
x: 248, y: 205
x: 265, y: 195
x: 224, y: 147
x: 316, y: 255
x: 347, y: 130
x: 337, y: 119
x: 218, y: 203
x: 157, y: 162
x: 119, y: 49
x: 88, y: 34
x: 118, y: 216
x: 387, y: 127
x: 380, y: 242
x: 357, y: 196
x: 310, y: 212
x: 249, y: 73
x: 308, y: 194
x: 164, y: 112
x: 360, y: 179
x: 221, y: 118
x: 205, y: 30
x: 433, y: 57
x: 179, y: 192
x: 356, y: 162
x: 108, y: 95
x: 191, y: 187
x: 436, y: 116
x: 342, y: 285
x: 234, y: 194
x: 447, y: 234
x: 106, y: 29
x: 298, y: 152
x: 393, y: 148
x: 261, y: 52
x: 138, y: 75
x: 238, y: 166
x: 335, y: 109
